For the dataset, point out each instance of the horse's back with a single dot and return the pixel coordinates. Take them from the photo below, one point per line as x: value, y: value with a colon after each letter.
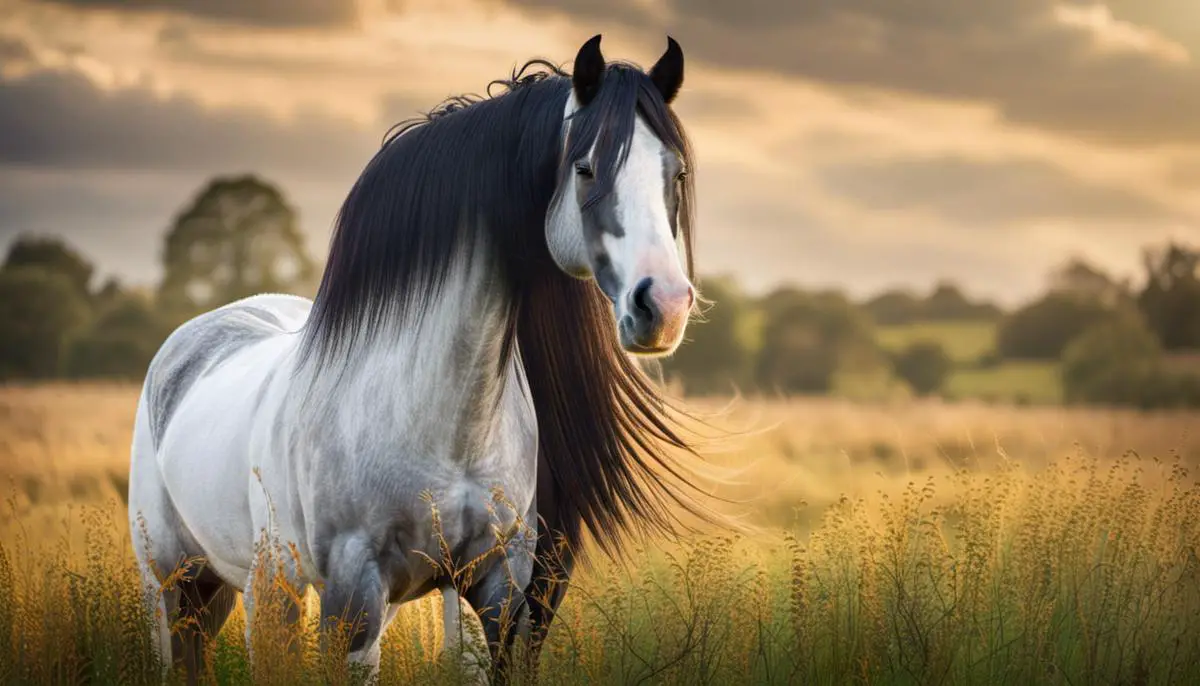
x: 202, y: 398
x: 202, y: 344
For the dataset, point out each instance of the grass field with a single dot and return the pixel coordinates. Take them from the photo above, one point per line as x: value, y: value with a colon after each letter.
x: 909, y: 543
x: 964, y: 341
x: 967, y: 343
x: 1036, y: 383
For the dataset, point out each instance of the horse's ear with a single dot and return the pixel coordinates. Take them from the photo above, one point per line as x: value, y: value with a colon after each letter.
x: 667, y: 74
x: 589, y: 71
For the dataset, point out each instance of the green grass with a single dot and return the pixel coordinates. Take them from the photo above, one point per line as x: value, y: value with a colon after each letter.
x: 1030, y: 382
x: 965, y: 342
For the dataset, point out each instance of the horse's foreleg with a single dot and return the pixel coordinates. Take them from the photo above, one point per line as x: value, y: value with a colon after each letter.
x: 499, y: 600
x: 552, y: 567
x: 354, y: 597
x: 368, y: 658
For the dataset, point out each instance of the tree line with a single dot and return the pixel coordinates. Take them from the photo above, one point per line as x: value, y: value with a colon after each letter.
x: 1113, y: 342
x: 237, y: 237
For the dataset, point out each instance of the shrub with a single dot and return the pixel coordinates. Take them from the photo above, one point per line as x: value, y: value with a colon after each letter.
x: 1121, y: 363
x: 924, y: 365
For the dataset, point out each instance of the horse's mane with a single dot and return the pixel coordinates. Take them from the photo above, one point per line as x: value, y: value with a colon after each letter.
x: 482, y: 172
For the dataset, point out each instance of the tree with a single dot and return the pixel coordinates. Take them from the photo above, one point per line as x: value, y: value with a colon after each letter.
x: 1079, y: 278
x: 121, y: 342
x: 947, y: 303
x: 895, y: 307
x: 39, y: 311
x: 1042, y: 329
x: 1171, y: 297
x: 53, y: 255
x: 717, y: 355
x: 808, y: 338
x: 924, y: 365
x: 238, y: 237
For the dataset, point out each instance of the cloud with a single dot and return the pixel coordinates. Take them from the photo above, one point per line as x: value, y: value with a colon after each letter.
x: 266, y: 13
x: 818, y: 163
x: 1020, y: 56
x: 1185, y: 174
x: 13, y: 49
x: 60, y: 119
x: 970, y: 193
x: 1175, y: 20
x: 1114, y: 35
x: 108, y: 169
x: 767, y: 233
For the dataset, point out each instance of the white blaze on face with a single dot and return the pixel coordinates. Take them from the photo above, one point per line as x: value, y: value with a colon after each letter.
x: 643, y: 270
x: 647, y: 250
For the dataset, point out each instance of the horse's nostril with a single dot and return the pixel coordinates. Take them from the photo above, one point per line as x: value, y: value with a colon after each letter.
x: 641, y: 298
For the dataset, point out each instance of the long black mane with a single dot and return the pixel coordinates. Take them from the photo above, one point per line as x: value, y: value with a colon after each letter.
x: 481, y: 173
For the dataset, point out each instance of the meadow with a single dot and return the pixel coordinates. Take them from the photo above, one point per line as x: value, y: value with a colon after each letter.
x: 913, y: 542
x: 970, y: 344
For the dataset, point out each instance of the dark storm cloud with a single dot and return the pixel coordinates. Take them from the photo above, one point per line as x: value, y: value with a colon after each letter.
x: 268, y: 13
x: 54, y: 119
x: 986, y: 194
x: 1010, y: 53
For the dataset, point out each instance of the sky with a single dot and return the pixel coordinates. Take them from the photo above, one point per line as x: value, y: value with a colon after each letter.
x: 856, y: 144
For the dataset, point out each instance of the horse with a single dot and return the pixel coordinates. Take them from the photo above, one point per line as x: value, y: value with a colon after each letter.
x: 495, y: 275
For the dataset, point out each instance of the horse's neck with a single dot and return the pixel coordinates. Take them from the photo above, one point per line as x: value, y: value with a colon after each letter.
x: 437, y: 377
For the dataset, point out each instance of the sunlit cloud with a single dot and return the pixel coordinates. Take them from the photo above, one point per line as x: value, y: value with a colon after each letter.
x: 1113, y: 35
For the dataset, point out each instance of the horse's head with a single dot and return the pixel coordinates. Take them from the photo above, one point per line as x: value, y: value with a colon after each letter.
x: 621, y: 207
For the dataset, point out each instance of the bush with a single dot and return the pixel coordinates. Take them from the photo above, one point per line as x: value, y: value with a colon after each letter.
x: 924, y: 365
x: 1109, y: 363
x: 1120, y: 363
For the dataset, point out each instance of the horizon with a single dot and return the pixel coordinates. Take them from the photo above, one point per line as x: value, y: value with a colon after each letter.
x: 861, y: 148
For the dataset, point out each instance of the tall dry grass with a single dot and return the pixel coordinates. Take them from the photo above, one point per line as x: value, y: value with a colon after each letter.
x: 913, y: 544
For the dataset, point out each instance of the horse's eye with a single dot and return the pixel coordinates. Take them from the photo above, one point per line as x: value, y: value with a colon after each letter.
x: 681, y: 176
x: 583, y: 170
